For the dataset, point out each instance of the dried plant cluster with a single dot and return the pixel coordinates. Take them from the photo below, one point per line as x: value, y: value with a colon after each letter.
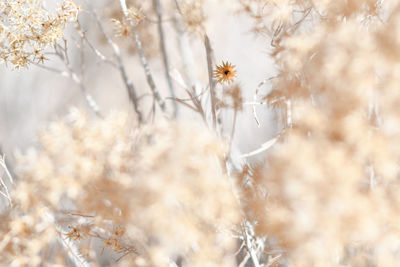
x: 138, y: 17
x: 27, y: 28
x: 193, y: 15
x: 142, y: 187
x: 148, y: 195
x: 332, y: 185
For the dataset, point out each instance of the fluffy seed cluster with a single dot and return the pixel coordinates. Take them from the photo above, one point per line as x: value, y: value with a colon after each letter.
x: 138, y: 12
x: 123, y: 27
x: 27, y: 28
x: 193, y: 15
x: 330, y: 190
x: 148, y: 195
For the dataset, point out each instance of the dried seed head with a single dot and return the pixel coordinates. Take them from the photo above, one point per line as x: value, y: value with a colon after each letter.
x: 27, y: 28
x: 225, y: 72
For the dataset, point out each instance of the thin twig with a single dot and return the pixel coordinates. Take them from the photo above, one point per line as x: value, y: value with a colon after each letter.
x: 158, y: 9
x: 210, y: 79
x: 185, y: 52
x: 90, y: 100
x: 178, y: 7
x: 241, y: 246
x: 233, y: 130
x: 196, y: 107
x: 60, y: 72
x: 3, y: 184
x: 144, y: 61
x: 97, y: 52
x: 249, y: 243
x: 88, y: 97
x: 185, y: 104
x: 263, y: 148
x: 128, y: 83
x: 62, y: 54
x: 197, y: 103
x: 147, y: 71
x: 245, y: 260
x: 289, y: 113
x: 188, y: 99
x: 255, y: 96
x: 4, y: 165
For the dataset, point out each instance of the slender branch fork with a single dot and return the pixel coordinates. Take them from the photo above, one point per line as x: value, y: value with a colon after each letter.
x: 150, y: 80
x: 248, y: 236
x: 210, y: 79
x: 2, y: 183
x: 158, y: 9
x: 62, y: 53
x: 121, y: 67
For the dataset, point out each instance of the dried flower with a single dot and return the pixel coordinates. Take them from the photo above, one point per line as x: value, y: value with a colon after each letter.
x: 225, y: 72
x: 77, y: 232
x: 27, y: 28
x: 134, y: 15
x: 121, y: 28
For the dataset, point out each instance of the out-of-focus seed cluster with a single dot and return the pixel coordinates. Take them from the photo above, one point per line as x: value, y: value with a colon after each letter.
x: 189, y: 17
x: 193, y: 15
x: 27, y: 28
x: 123, y: 26
x: 149, y: 195
x: 330, y: 189
x: 138, y: 13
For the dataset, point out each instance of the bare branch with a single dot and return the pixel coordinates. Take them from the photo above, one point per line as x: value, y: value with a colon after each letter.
x: 185, y: 52
x: 263, y: 148
x: 248, y: 232
x: 210, y: 79
x: 97, y: 52
x: 62, y: 53
x: 157, y: 7
x: 144, y: 61
x: 128, y: 83
x: 233, y: 130
x: 2, y: 183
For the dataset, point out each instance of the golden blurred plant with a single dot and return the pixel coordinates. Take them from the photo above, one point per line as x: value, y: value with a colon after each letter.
x: 149, y: 195
x: 330, y: 185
